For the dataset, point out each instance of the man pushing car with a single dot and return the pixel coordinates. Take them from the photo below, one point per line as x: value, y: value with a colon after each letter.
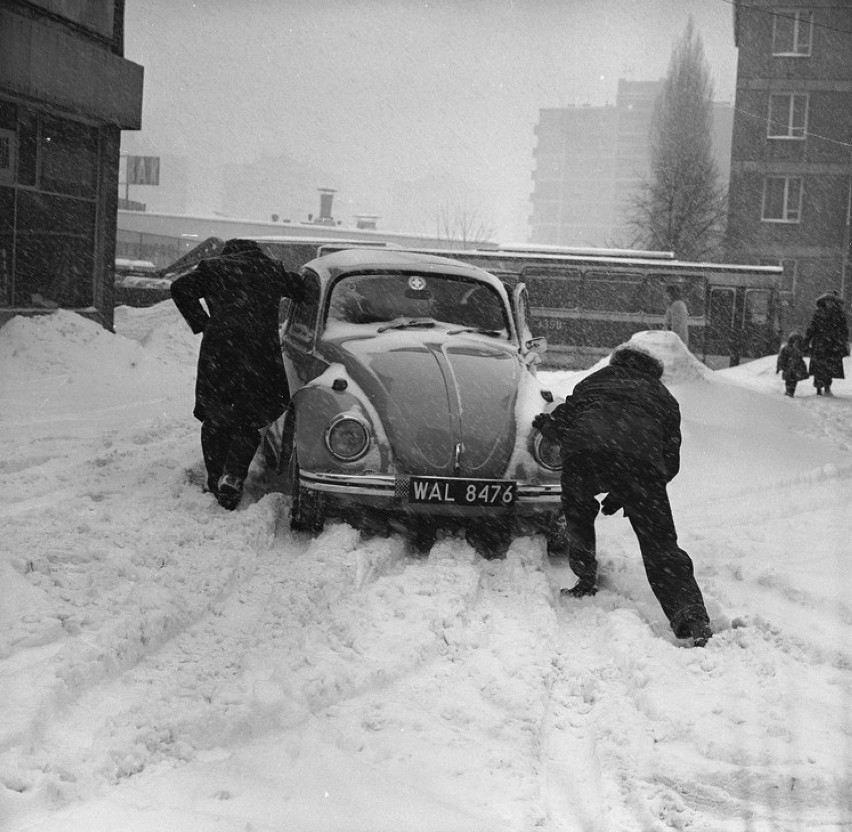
x: 241, y: 385
x: 619, y: 434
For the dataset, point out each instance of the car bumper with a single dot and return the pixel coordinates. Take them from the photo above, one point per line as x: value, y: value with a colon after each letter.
x: 393, y: 490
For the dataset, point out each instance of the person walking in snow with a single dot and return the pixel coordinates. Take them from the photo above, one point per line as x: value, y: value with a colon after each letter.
x: 241, y: 384
x: 827, y: 341
x: 791, y: 363
x: 676, y: 318
x: 620, y: 434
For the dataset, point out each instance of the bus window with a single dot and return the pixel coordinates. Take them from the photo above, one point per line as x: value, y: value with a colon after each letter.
x: 722, y: 308
x: 650, y: 297
x: 554, y: 290
x: 610, y: 291
x: 692, y: 289
x: 756, y: 310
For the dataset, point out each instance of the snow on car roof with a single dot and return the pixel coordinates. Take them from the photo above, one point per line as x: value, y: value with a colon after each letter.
x: 381, y: 258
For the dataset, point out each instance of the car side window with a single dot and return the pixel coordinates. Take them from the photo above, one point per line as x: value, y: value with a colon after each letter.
x: 303, y: 319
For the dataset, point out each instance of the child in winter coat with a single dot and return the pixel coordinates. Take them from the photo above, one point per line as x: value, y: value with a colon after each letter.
x: 791, y: 363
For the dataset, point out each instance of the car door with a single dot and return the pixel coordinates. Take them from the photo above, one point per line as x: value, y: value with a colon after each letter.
x: 531, y: 347
x: 298, y: 339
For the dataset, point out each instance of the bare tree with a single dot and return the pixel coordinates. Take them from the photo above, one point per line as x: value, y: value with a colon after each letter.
x: 681, y: 206
x: 462, y: 225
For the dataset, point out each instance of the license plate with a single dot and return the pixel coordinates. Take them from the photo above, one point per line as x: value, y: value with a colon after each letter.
x: 463, y: 492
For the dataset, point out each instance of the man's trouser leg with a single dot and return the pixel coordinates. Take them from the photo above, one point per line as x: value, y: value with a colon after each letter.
x: 580, y: 508
x: 241, y: 450
x: 668, y: 567
x: 215, y: 442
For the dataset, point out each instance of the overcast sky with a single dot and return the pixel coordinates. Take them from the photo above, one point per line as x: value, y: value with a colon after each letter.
x: 378, y: 91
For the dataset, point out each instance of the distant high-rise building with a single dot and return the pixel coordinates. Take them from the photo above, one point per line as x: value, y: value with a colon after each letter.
x: 270, y: 185
x: 791, y: 159
x: 590, y: 161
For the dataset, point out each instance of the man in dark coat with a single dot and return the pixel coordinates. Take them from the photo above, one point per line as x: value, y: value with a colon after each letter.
x: 827, y: 341
x: 241, y: 384
x: 620, y: 434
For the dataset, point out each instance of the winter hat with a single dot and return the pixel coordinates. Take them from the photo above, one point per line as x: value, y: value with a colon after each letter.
x: 627, y: 355
x: 239, y: 246
x: 830, y: 297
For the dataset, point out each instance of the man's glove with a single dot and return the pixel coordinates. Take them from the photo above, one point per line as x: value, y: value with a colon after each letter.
x: 541, y: 421
x: 611, y: 504
x: 547, y: 425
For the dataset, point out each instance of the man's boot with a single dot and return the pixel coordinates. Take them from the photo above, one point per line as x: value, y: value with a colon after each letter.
x: 583, y: 588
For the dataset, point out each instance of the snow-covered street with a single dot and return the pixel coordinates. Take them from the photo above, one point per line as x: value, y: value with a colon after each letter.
x: 168, y: 665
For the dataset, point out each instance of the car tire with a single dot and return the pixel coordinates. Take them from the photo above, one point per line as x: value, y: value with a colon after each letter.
x: 558, y: 537
x: 420, y: 536
x: 307, y: 507
x: 490, y: 540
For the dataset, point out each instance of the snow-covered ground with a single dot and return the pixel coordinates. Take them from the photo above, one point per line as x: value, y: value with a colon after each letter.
x: 168, y: 665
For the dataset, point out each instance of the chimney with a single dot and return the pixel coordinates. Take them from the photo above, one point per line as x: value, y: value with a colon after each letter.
x: 326, y: 196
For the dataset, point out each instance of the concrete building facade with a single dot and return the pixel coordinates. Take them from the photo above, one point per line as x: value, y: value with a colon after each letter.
x: 590, y: 160
x: 791, y: 159
x: 66, y: 92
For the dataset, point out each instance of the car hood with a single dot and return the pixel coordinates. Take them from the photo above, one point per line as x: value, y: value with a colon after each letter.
x: 447, y: 402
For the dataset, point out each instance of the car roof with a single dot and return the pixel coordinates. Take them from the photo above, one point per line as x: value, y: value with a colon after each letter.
x: 360, y: 259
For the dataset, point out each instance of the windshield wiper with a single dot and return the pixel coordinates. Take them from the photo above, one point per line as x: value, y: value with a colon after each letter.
x: 494, y: 333
x: 407, y: 324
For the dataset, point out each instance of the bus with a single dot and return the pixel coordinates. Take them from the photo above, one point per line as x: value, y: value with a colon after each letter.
x: 587, y: 303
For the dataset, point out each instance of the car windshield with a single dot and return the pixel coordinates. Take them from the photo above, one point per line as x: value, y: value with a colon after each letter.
x: 416, y: 300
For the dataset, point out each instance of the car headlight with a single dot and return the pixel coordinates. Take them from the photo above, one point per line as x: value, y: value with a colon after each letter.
x: 547, y: 453
x: 347, y: 437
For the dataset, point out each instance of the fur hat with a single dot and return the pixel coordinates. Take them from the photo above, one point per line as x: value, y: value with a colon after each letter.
x: 637, y: 359
x: 828, y: 298
x: 240, y: 246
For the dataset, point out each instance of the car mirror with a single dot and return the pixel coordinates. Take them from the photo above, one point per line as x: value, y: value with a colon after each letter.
x: 537, y: 345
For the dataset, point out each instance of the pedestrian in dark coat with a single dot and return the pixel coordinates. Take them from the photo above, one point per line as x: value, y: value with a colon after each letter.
x: 620, y: 435
x: 827, y: 341
x: 241, y: 384
x: 791, y: 363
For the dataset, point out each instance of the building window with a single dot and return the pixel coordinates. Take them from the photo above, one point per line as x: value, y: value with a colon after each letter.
x: 791, y: 269
x: 791, y: 34
x: 788, y: 116
x: 49, y: 170
x: 7, y: 157
x: 782, y: 199
x: 68, y: 158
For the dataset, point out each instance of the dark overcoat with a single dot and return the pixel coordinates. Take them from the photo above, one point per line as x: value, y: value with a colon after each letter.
x: 241, y: 378
x: 827, y: 338
x: 791, y: 363
x: 623, y: 409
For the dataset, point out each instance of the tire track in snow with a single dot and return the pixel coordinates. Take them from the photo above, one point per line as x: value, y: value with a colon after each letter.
x: 668, y: 737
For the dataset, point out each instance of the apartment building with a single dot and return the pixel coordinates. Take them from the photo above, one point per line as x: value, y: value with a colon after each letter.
x: 589, y: 161
x: 791, y: 159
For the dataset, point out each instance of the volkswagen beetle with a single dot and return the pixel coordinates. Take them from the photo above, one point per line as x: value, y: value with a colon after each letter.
x: 415, y: 390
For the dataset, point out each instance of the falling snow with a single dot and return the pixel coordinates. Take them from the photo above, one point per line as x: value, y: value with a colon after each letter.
x: 165, y: 664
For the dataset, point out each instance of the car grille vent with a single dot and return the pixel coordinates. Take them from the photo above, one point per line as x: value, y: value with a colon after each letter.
x: 401, y: 487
